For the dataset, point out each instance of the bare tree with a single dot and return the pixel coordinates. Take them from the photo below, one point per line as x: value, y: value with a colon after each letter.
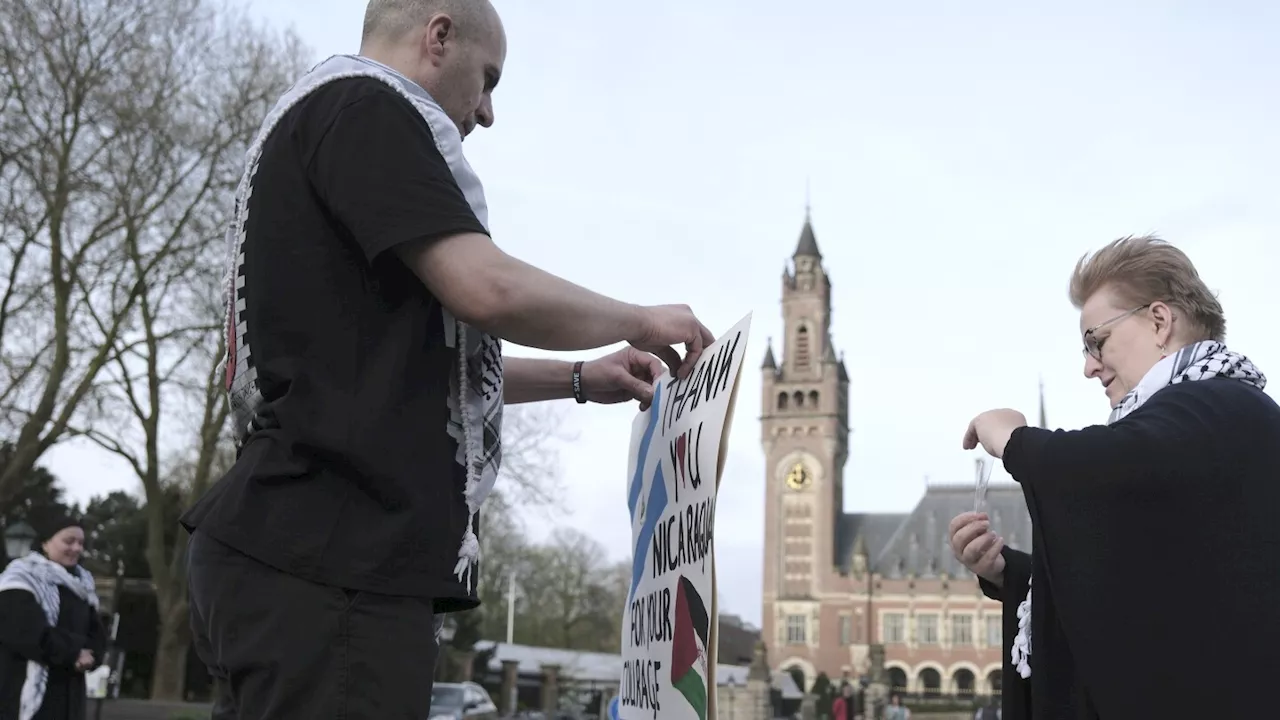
x: 569, y: 594
x: 574, y: 594
x: 529, y: 481
x: 531, y: 437
x: 154, y: 379
x: 139, y: 114
x: 119, y: 120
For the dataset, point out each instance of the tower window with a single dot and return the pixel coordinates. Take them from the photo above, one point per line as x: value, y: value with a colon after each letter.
x: 799, y: 398
x: 813, y: 398
x: 782, y: 401
x: 802, y: 347
x: 797, y: 630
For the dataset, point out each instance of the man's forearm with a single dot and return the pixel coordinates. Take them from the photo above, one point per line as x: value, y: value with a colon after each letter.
x: 544, y: 311
x: 535, y: 380
x: 504, y: 296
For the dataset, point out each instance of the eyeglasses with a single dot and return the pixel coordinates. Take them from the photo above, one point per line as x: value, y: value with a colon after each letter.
x: 1093, y: 344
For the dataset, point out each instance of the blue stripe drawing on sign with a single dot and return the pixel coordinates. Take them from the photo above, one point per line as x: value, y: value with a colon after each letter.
x: 613, y: 708
x: 652, y: 513
x: 633, y: 492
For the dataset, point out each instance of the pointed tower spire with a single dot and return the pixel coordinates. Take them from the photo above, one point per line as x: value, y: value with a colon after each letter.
x: 769, y: 363
x: 1044, y: 424
x: 808, y: 244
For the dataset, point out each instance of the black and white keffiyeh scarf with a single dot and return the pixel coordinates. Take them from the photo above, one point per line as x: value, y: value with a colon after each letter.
x: 475, y: 397
x: 1197, y: 361
x: 41, y: 577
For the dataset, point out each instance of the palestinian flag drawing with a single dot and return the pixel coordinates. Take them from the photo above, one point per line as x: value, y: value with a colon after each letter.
x: 689, y: 648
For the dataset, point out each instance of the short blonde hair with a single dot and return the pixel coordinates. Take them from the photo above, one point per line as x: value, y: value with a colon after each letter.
x: 1143, y: 270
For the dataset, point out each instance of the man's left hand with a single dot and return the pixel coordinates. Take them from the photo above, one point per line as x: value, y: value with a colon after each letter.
x: 628, y: 374
x: 992, y: 429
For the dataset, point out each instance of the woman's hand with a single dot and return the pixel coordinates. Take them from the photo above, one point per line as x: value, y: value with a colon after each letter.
x: 992, y: 429
x: 977, y: 547
x: 85, y: 661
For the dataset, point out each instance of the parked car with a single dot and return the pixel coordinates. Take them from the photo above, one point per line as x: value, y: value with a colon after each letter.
x: 461, y: 701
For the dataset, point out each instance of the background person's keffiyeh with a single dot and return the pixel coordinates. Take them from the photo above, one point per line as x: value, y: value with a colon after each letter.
x: 41, y: 577
x: 1197, y: 361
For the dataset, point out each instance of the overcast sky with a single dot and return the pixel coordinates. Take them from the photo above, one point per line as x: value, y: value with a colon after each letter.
x: 960, y: 160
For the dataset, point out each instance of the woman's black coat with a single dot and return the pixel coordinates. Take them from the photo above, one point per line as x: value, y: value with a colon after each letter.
x: 1155, y: 565
x: 26, y: 635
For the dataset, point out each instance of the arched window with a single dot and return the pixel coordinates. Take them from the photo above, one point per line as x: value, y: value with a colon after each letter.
x: 802, y: 347
x: 994, y: 683
x: 782, y: 401
x: 813, y: 398
x: 930, y: 682
x: 799, y: 399
x: 797, y: 675
x: 963, y: 681
x: 897, y: 680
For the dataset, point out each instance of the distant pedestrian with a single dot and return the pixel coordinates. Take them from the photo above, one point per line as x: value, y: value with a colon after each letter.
x: 896, y: 710
x: 845, y: 706
x: 50, y: 631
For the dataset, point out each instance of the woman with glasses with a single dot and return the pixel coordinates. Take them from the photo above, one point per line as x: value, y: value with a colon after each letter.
x: 1153, y: 586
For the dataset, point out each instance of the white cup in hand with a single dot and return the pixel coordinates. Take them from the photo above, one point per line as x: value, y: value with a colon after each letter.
x: 977, y: 547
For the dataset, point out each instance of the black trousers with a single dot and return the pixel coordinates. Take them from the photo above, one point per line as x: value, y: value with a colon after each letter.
x: 282, y: 648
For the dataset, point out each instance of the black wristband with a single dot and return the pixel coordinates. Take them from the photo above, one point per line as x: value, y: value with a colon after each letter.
x: 577, y: 384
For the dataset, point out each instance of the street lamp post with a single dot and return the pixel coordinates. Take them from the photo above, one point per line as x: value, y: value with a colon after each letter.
x: 514, y: 595
x: 447, y: 631
x: 112, y: 655
x: 17, y: 539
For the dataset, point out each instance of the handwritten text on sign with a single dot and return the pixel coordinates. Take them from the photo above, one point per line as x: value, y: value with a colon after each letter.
x: 676, y: 448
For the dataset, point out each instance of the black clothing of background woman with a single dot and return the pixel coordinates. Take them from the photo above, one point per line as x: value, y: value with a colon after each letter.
x: 43, y: 660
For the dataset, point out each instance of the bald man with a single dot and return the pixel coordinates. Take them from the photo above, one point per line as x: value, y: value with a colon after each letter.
x: 366, y: 308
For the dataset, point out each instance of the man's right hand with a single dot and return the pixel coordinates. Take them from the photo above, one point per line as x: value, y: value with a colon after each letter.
x: 667, y: 325
x: 977, y: 547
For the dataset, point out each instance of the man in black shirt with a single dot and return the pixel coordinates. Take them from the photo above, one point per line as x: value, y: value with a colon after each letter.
x: 366, y: 301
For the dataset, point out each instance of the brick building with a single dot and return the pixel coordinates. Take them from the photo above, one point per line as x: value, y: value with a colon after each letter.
x: 835, y: 582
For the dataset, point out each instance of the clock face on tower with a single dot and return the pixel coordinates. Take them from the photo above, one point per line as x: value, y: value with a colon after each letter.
x: 799, y: 477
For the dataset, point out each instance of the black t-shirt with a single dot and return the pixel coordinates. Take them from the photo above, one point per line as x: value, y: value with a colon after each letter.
x: 353, y: 480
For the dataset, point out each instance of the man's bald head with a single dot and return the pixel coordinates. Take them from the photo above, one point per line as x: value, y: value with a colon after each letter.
x: 455, y: 49
x: 388, y: 21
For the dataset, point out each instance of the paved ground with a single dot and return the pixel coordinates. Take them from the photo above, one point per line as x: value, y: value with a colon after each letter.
x: 139, y: 710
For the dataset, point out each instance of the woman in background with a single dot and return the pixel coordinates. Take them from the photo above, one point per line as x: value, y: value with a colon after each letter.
x: 50, y: 632
x: 1156, y: 550
x: 845, y: 706
x: 896, y: 710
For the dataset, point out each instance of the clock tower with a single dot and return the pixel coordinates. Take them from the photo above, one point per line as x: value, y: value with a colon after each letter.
x: 805, y: 434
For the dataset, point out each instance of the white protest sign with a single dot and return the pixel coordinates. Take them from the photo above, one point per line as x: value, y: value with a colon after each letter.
x: 97, y: 682
x: 677, y: 454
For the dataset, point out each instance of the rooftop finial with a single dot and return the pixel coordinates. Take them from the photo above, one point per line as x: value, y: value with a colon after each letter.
x: 1044, y: 423
x: 806, y: 198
